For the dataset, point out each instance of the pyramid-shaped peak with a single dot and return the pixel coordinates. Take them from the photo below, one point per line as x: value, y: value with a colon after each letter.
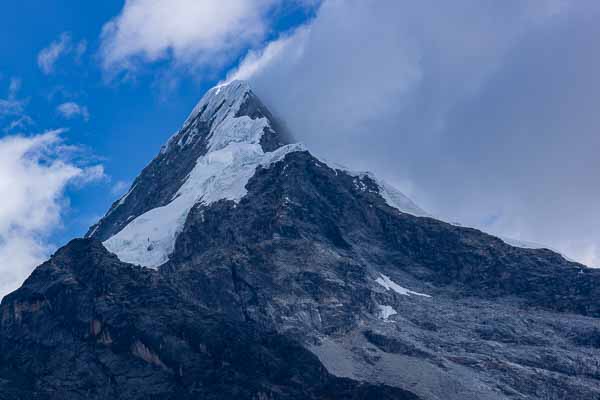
x: 225, y: 139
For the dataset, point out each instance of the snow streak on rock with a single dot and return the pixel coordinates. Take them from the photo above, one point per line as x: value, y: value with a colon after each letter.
x: 389, y: 284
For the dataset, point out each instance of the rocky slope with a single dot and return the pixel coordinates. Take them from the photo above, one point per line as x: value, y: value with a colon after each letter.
x: 87, y: 326
x: 240, y: 266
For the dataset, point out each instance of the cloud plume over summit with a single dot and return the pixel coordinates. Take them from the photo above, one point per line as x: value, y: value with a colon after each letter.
x: 483, y: 112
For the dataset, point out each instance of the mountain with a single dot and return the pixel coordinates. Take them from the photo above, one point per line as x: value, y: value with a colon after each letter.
x: 240, y: 266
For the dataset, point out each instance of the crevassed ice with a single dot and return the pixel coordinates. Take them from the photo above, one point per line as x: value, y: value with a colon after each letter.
x: 234, y: 152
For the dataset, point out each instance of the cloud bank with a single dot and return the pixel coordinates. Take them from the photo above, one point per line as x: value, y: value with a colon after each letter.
x: 484, y: 112
x: 34, y: 173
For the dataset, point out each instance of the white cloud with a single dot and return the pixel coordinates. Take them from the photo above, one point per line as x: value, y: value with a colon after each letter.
x: 485, y: 110
x: 34, y: 173
x: 48, y: 57
x: 71, y: 110
x: 190, y: 32
x: 257, y: 60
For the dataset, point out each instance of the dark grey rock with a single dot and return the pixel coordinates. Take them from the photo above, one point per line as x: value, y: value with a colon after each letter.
x: 86, y: 326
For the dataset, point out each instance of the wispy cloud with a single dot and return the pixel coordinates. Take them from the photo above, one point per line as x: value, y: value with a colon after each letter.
x: 49, y: 56
x: 70, y: 110
x: 80, y: 49
x: 34, y: 173
x: 12, y: 106
x: 13, y: 87
x: 21, y: 123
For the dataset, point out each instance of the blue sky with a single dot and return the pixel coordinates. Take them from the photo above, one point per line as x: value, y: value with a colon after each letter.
x: 129, y: 117
x: 484, y: 112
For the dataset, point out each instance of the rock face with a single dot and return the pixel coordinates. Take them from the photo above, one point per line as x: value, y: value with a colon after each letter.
x: 87, y: 326
x: 264, y: 273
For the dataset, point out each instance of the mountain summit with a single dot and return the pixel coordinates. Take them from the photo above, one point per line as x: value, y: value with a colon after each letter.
x: 226, y: 137
x: 240, y: 266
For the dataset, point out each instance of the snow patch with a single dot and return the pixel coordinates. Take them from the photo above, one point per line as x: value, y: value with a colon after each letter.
x: 385, y: 312
x: 389, y: 284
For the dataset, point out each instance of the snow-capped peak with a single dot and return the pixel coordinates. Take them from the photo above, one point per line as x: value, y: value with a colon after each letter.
x: 233, y: 152
x: 227, y: 136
